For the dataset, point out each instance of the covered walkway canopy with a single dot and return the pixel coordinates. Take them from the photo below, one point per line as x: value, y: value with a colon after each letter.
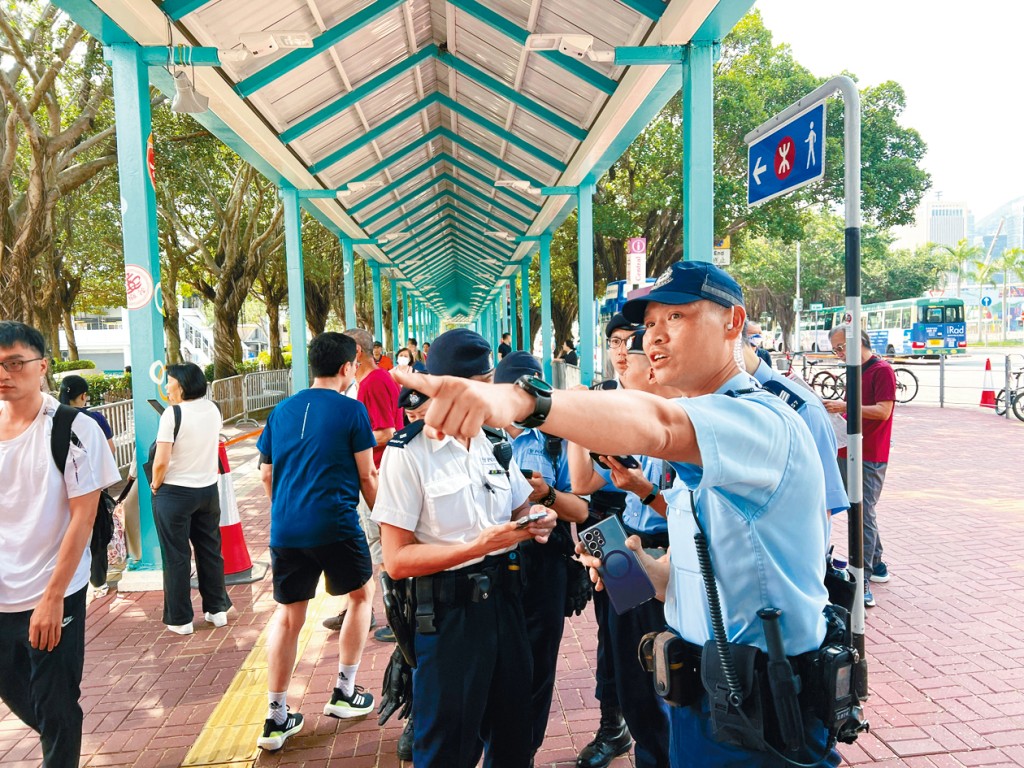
x: 445, y: 140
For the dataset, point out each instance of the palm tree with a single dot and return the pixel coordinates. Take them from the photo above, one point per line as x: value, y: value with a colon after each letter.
x: 980, y: 272
x: 958, y: 256
x: 1010, y: 263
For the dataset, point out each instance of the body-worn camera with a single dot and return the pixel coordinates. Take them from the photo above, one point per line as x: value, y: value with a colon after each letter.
x: 840, y: 710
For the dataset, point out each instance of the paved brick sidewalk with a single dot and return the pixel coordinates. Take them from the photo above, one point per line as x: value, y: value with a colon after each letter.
x: 946, y: 640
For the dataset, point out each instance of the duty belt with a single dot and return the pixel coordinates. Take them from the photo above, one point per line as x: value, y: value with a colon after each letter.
x: 473, y: 583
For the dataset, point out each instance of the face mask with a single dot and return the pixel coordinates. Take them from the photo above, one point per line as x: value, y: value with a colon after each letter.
x: 403, y: 360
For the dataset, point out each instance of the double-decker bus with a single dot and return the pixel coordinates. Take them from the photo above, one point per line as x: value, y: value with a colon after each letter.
x: 906, y: 328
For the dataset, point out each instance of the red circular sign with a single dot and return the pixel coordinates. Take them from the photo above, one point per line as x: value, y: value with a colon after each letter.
x: 784, y: 157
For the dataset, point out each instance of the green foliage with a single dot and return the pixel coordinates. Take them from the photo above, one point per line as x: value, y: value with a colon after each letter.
x: 109, y: 389
x: 64, y: 366
x: 263, y: 359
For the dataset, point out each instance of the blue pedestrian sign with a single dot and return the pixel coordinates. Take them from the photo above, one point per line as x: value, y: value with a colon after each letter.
x: 791, y: 156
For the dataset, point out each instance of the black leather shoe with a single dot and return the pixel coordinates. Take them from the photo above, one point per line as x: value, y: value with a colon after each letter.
x: 404, y: 749
x: 611, y: 740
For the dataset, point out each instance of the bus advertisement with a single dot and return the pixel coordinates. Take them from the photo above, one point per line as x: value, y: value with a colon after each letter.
x: 904, y: 328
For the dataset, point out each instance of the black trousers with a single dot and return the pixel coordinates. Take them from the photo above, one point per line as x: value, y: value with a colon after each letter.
x: 42, y: 688
x: 186, y: 515
x: 544, y: 605
x: 471, y: 686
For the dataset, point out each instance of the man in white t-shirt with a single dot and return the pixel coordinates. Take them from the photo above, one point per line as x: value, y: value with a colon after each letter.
x: 45, y: 525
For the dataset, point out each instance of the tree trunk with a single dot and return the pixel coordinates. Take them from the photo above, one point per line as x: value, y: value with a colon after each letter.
x: 172, y: 328
x: 318, y: 307
x: 274, y: 315
x: 69, y: 333
x: 224, y: 334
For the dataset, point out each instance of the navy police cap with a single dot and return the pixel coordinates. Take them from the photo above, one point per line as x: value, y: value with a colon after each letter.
x: 411, y: 399
x: 635, y: 343
x: 685, y: 282
x: 460, y: 352
x: 618, y: 322
x: 515, y: 365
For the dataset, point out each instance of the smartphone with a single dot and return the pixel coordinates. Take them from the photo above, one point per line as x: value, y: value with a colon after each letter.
x: 627, y: 461
x: 157, y: 405
x: 527, y: 473
x: 624, y: 576
x: 533, y: 517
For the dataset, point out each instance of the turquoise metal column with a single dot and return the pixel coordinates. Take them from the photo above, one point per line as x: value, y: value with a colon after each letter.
x: 585, y: 242
x: 525, y: 290
x: 698, y: 152
x: 414, y: 321
x: 546, y: 347
x: 512, y: 312
x: 296, y: 287
x: 378, y: 310
x: 142, y: 264
x: 405, y: 315
x: 348, y: 261
x: 395, y: 346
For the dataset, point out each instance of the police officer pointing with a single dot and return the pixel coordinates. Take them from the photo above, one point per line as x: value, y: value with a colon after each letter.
x: 758, y: 492
x: 446, y: 506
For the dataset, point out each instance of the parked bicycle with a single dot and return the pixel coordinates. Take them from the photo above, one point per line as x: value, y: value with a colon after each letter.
x: 832, y: 385
x: 1016, y: 397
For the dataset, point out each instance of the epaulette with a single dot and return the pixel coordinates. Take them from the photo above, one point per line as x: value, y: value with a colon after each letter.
x: 405, y: 435
x: 788, y: 396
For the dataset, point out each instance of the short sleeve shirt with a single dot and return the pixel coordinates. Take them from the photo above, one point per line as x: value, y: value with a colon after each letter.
x: 814, y: 415
x: 530, y: 451
x: 760, y: 495
x: 878, y: 385
x: 311, y: 439
x: 35, y: 513
x: 194, y: 452
x: 100, y: 419
x: 444, y: 493
x: 379, y: 393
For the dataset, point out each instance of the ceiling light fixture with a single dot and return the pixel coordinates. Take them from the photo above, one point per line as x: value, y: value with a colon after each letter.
x: 187, y: 100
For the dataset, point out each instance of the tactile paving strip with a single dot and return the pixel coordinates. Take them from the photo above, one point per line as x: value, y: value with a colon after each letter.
x: 229, y: 736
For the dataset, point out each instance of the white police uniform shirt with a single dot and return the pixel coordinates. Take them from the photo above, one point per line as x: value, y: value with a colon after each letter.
x: 760, y: 495
x: 815, y: 417
x: 445, y: 494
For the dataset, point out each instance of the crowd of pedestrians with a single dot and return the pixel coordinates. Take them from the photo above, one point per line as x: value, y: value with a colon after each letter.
x: 465, y: 485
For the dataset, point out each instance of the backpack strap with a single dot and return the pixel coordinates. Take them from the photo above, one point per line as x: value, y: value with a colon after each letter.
x: 61, y: 435
x: 176, y: 409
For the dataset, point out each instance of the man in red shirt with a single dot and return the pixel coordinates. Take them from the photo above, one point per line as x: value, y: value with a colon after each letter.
x: 382, y: 360
x: 878, y: 398
x: 379, y: 393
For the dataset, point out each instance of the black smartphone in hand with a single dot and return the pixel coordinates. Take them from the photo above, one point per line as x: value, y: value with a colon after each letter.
x: 527, y: 473
x: 627, y: 461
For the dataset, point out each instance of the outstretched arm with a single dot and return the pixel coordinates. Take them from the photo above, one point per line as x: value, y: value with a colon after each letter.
x: 658, y: 427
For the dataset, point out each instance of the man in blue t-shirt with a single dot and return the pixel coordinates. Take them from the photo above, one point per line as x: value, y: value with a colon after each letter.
x: 316, y: 455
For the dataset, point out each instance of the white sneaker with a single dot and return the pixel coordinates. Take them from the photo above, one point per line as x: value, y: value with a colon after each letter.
x: 181, y: 629
x: 217, y: 619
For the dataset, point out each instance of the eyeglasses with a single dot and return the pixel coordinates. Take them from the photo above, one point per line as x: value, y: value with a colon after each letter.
x: 839, y: 349
x: 617, y: 342
x: 15, y: 366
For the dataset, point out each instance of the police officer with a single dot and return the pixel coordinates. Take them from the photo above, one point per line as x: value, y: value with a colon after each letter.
x: 446, y: 506
x: 543, y: 459
x: 619, y: 635
x: 745, y: 455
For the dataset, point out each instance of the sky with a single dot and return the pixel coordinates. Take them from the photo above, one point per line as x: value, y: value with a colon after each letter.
x: 960, y: 64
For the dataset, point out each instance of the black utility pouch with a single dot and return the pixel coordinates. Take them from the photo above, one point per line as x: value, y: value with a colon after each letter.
x: 676, y: 678
x: 742, y: 725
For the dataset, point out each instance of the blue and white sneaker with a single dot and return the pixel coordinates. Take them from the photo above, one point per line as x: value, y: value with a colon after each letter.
x: 358, y: 704
x: 880, y: 573
x: 869, y: 599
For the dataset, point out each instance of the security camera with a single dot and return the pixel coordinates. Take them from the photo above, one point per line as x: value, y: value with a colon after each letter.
x: 266, y: 43
x: 578, y: 46
x: 520, y: 185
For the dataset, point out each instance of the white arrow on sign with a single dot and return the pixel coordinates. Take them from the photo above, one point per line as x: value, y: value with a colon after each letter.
x: 758, y: 170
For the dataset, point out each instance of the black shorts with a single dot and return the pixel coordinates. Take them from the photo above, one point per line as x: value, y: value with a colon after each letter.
x: 346, y: 566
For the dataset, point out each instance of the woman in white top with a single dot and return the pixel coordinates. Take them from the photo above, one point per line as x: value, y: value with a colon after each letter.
x: 186, y: 505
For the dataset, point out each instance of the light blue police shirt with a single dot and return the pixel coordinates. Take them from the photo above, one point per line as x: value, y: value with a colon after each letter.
x: 760, y: 497
x: 530, y: 452
x: 816, y: 418
x: 637, y: 515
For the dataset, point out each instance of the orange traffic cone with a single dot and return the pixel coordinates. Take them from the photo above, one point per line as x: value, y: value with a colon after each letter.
x: 238, y: 567
x: 988, y: 392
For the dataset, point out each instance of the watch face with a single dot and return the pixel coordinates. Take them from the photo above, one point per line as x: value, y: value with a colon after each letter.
x: 541, y: 386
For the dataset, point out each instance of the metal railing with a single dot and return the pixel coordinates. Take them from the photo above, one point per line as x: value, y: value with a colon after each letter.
x: 263, y: 390
x: 121, y: 416
x: 229, y: 394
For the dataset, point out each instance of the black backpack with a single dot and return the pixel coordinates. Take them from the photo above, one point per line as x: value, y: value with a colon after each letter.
x: 61, y: 439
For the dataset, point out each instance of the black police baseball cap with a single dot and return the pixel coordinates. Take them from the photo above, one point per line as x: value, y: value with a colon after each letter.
x: 635, y: 343
x: 618, y: 322
x: 515, y: 365
x: 685, y: 282
x: 410, y: 398
x: 460, y: 352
